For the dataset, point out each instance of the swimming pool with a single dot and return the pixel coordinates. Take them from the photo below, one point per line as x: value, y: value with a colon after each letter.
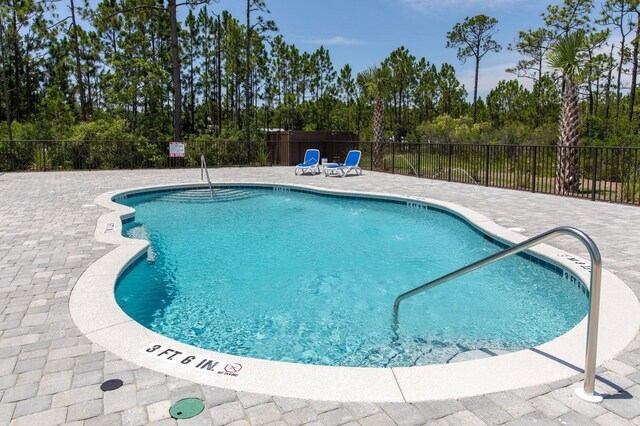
x: 288, y: 275
x: 95, y: 312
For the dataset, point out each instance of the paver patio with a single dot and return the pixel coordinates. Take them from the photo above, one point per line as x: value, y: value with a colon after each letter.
x: 51, y: 374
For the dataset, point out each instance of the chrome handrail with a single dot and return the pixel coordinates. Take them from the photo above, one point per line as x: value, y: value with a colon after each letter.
x: 587, y: 393
x: 204, y: 169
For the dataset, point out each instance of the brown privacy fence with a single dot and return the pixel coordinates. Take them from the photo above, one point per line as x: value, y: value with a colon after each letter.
x: 604, y: 173
x: 287, y: 148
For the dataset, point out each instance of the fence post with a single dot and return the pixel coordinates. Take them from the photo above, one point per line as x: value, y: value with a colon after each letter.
x: 393, y: 158
x: 534, y: 167
x: 419, y: 158
x: 486, y: 165
x: 449, y: 162
x: 13, y: 164
x: 594, y: 174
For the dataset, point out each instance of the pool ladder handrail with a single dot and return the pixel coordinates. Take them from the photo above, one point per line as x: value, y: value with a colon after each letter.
x: 203, y: 170
x: 587, y: 393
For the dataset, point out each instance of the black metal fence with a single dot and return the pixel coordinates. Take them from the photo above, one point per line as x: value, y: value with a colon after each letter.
x: 122, y: 154
x: 605, y: 173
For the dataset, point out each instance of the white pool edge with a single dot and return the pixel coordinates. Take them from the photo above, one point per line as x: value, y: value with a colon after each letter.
x: 95, y: 312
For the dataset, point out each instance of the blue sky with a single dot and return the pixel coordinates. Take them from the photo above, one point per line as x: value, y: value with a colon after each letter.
x: 364, y: 32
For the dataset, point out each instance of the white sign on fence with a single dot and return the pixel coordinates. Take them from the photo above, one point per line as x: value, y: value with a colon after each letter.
x: 176, y: 149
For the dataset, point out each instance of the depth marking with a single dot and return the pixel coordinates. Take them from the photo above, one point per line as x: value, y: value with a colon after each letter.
x: 581, y: 263
x: 177, y: 357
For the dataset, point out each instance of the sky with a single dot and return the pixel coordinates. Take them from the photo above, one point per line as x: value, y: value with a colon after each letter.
x: 362, y: 33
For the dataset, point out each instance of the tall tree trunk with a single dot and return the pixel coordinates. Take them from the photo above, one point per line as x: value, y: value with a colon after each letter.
x: 192, y: 107
x: 618, y: 82
x: 247, y: 85
x: 254, y: 89
x: 475, y: 89
x: 206, y: 90
x: 28, y: 93
x: 76, y: 52
x: 591, y: 101
x: 16, y: 61
x: 89, y: 94
x: 378, y: 133
x: 607, y: 96
x: 597, y: 96
x: 634, y: 70
x: 87, y: 76
x: 7, y: 99
x: 568, y: 159
x: 536, y: 93
x: 237, y: 95
x: 219, y: 79
x: 134, y: 108
x: 175, y: 62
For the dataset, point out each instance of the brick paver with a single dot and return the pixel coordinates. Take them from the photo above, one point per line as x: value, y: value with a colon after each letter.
x: 50, y: 374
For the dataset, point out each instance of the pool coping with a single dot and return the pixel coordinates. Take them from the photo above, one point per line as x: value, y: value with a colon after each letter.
x: 96, y: 313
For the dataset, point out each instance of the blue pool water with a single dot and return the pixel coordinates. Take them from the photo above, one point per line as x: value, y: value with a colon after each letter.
x: 294, y: 276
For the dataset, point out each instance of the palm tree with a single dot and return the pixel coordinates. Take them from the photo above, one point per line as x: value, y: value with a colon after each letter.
x: 373, y: 82
x: 565, y: 56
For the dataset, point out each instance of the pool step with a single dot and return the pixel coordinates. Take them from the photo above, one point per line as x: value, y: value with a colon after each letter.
x: 476, y: 354
x: 433, y: 352
x: 141, y: 232
x: 204, y: 195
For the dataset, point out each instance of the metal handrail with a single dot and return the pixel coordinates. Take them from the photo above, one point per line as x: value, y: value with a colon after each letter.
x: 587, y: 392
x: 204, y: 169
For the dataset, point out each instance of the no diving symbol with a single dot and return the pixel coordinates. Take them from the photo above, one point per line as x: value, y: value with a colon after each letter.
x: 232, y: 368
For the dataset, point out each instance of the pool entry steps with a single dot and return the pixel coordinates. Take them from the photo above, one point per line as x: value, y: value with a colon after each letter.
x: 220, y: 195
x: 587, y: 392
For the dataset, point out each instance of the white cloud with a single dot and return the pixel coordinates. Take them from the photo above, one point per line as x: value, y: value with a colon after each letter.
x: 431, y: 7
x: 336, y: 41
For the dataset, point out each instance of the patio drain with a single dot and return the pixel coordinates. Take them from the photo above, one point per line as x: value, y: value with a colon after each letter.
x: 186, y: 408
x: 110, y: 385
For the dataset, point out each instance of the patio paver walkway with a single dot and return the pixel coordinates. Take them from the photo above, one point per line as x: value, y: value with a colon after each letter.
x: 50, y: 374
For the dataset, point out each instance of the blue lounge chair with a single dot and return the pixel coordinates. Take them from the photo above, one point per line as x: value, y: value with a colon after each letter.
x: 350, y: 163
x: 311, y: 160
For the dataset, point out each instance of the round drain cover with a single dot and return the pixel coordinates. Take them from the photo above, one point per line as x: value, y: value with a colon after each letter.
x: 186, y: 408
x: 110, y: 385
